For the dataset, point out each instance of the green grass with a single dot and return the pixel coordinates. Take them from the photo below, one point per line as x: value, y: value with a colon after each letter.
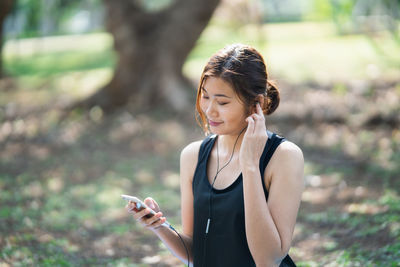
x: 61, y: 207
x: 46, y: 57
x: 50, y: 64
x: 323, y: 56
x: 68, y: 212
x: 298, y: 52
x: 388, y: 255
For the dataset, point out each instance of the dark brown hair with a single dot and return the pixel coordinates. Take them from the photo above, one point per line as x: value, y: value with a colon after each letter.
x: 244, y: 69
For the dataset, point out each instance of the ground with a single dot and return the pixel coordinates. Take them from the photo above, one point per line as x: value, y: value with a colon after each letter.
x: 60, y: 181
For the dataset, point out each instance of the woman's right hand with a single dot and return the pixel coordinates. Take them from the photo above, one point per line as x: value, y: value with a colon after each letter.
x: 153, y: 222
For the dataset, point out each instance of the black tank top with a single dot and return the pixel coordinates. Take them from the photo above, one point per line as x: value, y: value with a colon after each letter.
x: 226, y: 243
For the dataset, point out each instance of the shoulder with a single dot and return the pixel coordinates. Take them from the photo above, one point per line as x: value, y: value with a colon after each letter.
x: 288, y: 158
x: 191, y: 151
x: 288, y: 150
x: 190, y: 154
x: 287, y: 165
x: 188, y: 160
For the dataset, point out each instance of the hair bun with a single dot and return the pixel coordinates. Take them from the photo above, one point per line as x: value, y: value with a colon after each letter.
x: 272, y: 98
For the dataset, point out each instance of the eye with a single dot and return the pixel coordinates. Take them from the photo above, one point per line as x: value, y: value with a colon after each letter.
x: 205, y: 96
x: 222, y: 104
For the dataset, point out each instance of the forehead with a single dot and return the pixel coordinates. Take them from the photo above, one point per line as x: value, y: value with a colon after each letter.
x: 214, y: 85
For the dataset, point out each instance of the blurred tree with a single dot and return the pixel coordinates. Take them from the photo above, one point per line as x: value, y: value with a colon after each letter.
x: 5, y: 9
x: 152, y: 46
x: 37, y: 18
x: 378, y: 15
x: 341, y: 12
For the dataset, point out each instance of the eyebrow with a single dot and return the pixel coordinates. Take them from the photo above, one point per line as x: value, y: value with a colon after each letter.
x: 221, y: 95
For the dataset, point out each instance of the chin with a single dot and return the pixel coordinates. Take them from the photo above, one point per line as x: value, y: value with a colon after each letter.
x: 215, y: 130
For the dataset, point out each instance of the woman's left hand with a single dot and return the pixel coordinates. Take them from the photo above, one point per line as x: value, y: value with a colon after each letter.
x: 254, y: 140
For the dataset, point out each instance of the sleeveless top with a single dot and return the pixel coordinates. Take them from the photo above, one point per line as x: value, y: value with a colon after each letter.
x: 226, y: 242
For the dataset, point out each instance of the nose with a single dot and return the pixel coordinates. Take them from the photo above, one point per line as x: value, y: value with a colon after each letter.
x: 211, y: 110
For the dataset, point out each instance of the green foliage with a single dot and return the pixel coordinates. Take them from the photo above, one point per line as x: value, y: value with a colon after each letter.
x: 155, y: 5
x: 32, y: 11
x: 340, y: 89
x: 50, y: 64
x: 39, y: 14
x: 322, y: 10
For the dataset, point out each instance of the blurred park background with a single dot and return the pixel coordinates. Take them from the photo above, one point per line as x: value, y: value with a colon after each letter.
x: 97, y: 99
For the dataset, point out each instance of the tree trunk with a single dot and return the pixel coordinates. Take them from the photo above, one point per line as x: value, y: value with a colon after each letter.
x: 5, y: 9
x: 151, y: 48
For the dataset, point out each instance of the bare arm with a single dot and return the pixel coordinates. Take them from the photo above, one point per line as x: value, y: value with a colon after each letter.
x: 270, y: 225
x: 174, y: 243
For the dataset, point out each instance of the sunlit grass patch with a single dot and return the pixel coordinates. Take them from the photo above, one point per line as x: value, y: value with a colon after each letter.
x: 51, y: 44
x: 298, y: 52
x: 387, y: 255
x: 307, y: 264
x: 323, y: 56
x: 366, y: 234
x: 38, y: 91
x: 49, y: 64
x: 89, y: 205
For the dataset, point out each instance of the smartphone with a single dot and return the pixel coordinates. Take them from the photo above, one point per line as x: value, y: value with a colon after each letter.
x: 140, y: 205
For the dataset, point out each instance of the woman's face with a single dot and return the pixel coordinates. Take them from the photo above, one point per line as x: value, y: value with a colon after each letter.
x: 224, y: 111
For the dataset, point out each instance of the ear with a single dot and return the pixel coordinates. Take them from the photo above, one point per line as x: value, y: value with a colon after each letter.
x: 259, y: 99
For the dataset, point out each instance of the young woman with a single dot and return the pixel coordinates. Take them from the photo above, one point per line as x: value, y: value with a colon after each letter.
x: 241, y: 186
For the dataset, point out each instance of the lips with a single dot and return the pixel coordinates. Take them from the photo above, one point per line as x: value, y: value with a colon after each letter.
x: 214, y: 123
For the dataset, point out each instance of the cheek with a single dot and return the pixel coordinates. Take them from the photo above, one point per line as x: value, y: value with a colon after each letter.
x: 233, y: 114
x: 240, y: 116
x: 203, y: 105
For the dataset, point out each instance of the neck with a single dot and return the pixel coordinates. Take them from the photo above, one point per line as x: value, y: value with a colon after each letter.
x: 227, y: 142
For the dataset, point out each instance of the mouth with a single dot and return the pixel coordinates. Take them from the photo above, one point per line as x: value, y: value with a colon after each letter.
x: 214, y: 123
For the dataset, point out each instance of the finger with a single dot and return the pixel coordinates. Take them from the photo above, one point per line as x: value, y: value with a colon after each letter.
x: 259, y: 110
x: 256, y: 117
x: 141, y: 214
x: 256, y: 120
x: 259, y: 124
x: 153, y: 219
x: 149, y: 202
x: 130, y: 207
x: 250, y: 125
x: 259, y: 115
x: 152, y: 204
x: 159, y: 222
